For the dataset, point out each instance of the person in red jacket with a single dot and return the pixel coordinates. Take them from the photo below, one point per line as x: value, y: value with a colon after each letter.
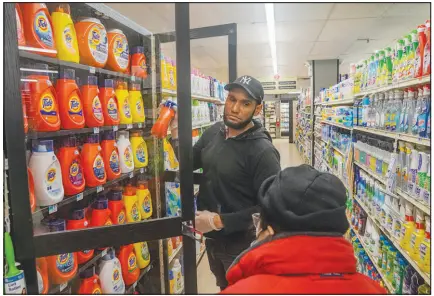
x: 300, y: 248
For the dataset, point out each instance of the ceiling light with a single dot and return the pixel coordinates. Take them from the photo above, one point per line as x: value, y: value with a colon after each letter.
x: 269, y: 14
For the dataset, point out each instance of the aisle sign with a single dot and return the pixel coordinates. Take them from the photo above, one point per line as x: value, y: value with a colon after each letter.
x: 281, y: 85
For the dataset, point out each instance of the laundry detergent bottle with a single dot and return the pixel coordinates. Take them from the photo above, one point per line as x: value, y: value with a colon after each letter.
x: 31, y: 183
x: 130, y: 270
x: 89, y: 282
x: 144, y: 198
x: 42, y: 275
x: 64, y: 34
x: 116, y: 206
x: 138, y: 62
x: 125, y: 152
x: 122, y: 96
x: 110, y: 274
x: 72, y: 170
x: 92, y: 42
x: 77, y: 220
x: 20, y: 27
x: 417, y: 236
x: 140, y: 149
x: 100, y: 212
x: 93, y: 163
x: 38, y: 28
x: 110, y: 155
x: 92, y: 107
x: 68, y: 96
x: 47, y: 173
x: 407, y: 228
x: 136, y: 104
x: 118, y: 51
x: 142, y: 254
x: 109, y: 103
x: 131, y: 206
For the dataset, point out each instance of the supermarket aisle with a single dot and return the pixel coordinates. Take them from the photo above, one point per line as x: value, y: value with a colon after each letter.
x: 289, y: 155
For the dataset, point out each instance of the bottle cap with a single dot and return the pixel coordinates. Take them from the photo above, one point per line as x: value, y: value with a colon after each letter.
x: 42, y: 145
x: 87, y: 273
x: 108, y: 135
x: 70, y: 141
x: 136, y: 133
x: 100, y: 203
x: 117, y: 31
x: 137, y: 49
x: 135, y: 86
x: 77, y: 214
x: 89, y: 20
x: 110, y: 255
x: 67, y: 74
x: 106, y: 83
x: 93, y: 139
x: 115, y: 194
x: 142, y: 184
x: 120, y: 84
x: 92, y: 80
x: 54, y: 224
x: 129, y: 190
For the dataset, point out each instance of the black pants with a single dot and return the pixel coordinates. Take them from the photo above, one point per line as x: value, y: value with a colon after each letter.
x: 221, y: 254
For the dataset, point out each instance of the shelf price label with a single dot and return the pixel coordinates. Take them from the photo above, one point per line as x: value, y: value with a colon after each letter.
x: 129, y: 126
x: 131, y: 175
x: 99, y: 189
x: 52, y: 209
x: 140, y: 125
x: 80, y: 196
x: 92, y: 70
x: 63, y: 286
x: 142, y: 170
x: 115, y: 128
x: 96, y: 130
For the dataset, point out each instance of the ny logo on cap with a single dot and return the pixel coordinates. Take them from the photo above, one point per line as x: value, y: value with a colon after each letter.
x: 245, y: 79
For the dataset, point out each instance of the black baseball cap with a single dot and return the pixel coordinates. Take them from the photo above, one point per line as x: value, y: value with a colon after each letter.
x: 251, y: 85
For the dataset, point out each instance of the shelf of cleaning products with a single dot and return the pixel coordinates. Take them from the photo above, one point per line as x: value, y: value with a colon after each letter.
x: 55, y: 61
x: 374, y: 175
x: 336, y: 124
x: 396, y: 136
x: 317, y: 114
x: 87, y: 192
x: 196, y: 127
x: 338, y: 102
x: 175, y: 253
x: 424, y: 208
x: 130, y: 290
x: 401, y: 84
x: 197, y: 97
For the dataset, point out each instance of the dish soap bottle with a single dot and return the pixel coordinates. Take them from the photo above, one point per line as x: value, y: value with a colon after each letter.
x: 416, y: 237
x: 425, y: 248
x: 407, y: 228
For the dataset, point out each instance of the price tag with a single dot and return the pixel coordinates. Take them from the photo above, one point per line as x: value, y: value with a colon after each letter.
x: 129, y: 126
x: 104, y: 252
x: 52, y: 209
x: 92, y: 70
x: 131, y: 175
x: 79, y: 196
x: 115, y: 128
x: 140, y: 125
x: 96, y: 130
x: 99, y: 189
x: 133, y: 78
x: 142, y: 170
x: 63, y: 286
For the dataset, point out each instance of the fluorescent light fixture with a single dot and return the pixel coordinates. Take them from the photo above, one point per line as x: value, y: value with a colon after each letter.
x: 269, y: 14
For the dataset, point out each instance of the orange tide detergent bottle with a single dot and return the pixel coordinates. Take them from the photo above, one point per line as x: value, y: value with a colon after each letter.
x: 118, y: 51
x: 167, y: 113
x: 70, y: 163
x: 130, y: 270
x: 20, y: 27
x: 77, y: 220
x: 92, y: 42
x: 31, y: 190
x: 93, y: 163
x: 138, y: 62
x: 110, y: 154
x: 116, y: 206
x: 100, y: 214
x: 89, y: 282
x: 92, y: 107
x: 109, y: 105
x: 43, y: 111
x: 62, y: 267
x: 42, y: 274
x: 25, y: 98
x: 68, y: 96
x: 38, y: 28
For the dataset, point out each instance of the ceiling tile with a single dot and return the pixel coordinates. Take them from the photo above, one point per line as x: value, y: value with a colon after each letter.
x: 296, y: 31
x: 301, y: 11
x: 358, y: 10
x: 332, y: 49
x: 252, y: 33
x: 344, y: 30
x: 406, y: 9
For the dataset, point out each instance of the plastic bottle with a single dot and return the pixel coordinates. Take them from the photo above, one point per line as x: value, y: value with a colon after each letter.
x: 140, y: 149
x: 397, y: 60
x: 138, y: 62
x: 78, y: 220
x: 20, y: 27
x: 422, y: 170
x: 125, y: 153
x: 110, y: 155
x: 136, y: 104
x: 130, y: 270
x: 423, y: 111
x: 93, y: 163
x: 427, y: 50
x: 43, y: 111
x: 92, y: 42
x: 122, y: 96
x: 70, y: 163
x: 42, y: 275
x: 109, y: 104
x: 406, y: 168
x: 64, y: 34
x: 398, y: 275
x: 89, y: 282
x: 160, y: 127
x: 47, y: 173
x: 118, y: 51
x: 177, y: 274
x: 407, y: 228
x: 417, y: 112
x: 92, y: 107
x: 62, y: 267
x: 405, y: 57
x: 31, y: 183
x: 38, y: 28
x: 171, y: 282
x: 416, y: 237
x: 110, y: 274
x: 144, y: 198
x: 164, y: 76
x: 426, y: 191
x: 116, y: 206
x: 100, y: 212
x: 424, y: 252
x: 142, y: 254
x: 420, y: 51
x: 131, y: 204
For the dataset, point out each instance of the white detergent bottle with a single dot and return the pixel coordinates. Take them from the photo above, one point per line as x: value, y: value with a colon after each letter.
x: 47, y: 175
x: 125, y: 153
x: 110, y: 274
x: 177, y: 274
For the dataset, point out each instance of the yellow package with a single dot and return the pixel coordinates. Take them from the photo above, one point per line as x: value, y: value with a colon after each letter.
x: 170, y: 161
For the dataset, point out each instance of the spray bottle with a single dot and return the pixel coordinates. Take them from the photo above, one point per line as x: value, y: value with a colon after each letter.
x: 408, y: 227
x: 424, y: 254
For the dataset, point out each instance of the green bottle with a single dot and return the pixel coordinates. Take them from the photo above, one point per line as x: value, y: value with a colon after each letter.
x: 391, y: 255
x: 397, y: 60
x: 385, y: 251
x: 398, y: 274
x: 414, y: 45
x: 380, y: 252
x: 388, y: 66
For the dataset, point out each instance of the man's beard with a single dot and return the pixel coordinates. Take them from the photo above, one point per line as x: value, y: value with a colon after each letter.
x: 239, y: 125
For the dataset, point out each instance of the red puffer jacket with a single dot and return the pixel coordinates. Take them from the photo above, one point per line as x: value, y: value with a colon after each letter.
x: 299, y: 265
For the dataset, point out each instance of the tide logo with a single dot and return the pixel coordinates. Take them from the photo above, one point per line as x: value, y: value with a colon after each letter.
x: 116, y: 275
x: 74, y: 104
x: 143, y: 65
x: 99, y: 163
x: 121, y: 217
x: 51, y: 175
x: 41, y: 22
x: 114, y: 157
x: 138, y: 106
x: 95, y: 35
x: 135, y: 213
x: 97, y: 291
x: 119, y: 45
x: 62, y: 259
x: 47, y: 103
x: 74, y: 169
x: 132, y: 264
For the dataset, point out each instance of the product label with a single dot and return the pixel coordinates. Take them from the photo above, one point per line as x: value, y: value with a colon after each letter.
x: 15, y: 284
x: 20, y: 31
x: 135, y: 213
x: 97, y: 108
x: 117, y: 281
x: 423, y: 249
x: 145, y: 251
x: 76, y: 173
x: 98, y: 167
x: 112, y: 109
x: 128, y: 159
x: 412, y: 240
x: 68, y: 38
x: 43, y: 29
x: 121, y: 51
x: 126, y: 107
x: 96, y: 291
x: 426, y: 60
x: 74, y: 106
x: 140, y: 153
x: 139, y: 108
x: 114, y: 161
x: 52, y: 180
x: 97, y: 41
x: 65, y: 262
x: 121, y: 217
x: 179, y: 281
x: 47, y: 107
x: 132, y: 262
x: 147, y: 204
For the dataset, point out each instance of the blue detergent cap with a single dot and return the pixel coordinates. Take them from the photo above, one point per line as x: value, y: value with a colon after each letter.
x: 54, y: 224
x: 67, y: 74
x: 107, y: 83
x: 42, y: 145
x: 92, y: 80
x: 137, y: 49
x: 110, y: 255
x: 115, y: 194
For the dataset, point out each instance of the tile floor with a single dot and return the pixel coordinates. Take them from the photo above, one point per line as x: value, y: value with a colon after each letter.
x: 289, y: 156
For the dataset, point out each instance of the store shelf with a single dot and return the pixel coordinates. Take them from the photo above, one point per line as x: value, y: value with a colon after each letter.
x: 197, y: 97
x: 336, y: 124
x: 338, y: 102
x: 396, y: 136
x: 424, y: 208
x: 367, y: 170
x: 401, y: 84
x: 175, y: 253
x: 130, y: 289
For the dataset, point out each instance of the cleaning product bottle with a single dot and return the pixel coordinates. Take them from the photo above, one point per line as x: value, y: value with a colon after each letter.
x: 138, y: 62
x: 100, y: 212
x: 116, y: 206
x: 38, y: 28
x: 130, y: 270
x: 77, y: 220
x: 109, y: 104
x: 167, y: 113
x: 426, y: 191
x: 92, y: 107
x: 397, y: 60
x: 31, y: 182
x: 47, y: 173
x: 417, y: 112
x: 110, y: 155
x: 122, y: 96
x: 92, y: 42
x: 422, y: 170
x: 89, y: 282
x: 423, y: 260
x: 64, y: 34
x: 14, y: 281
x: 412, y: 175
x: 140, y: 150
x: 420, y: 51
x: 144, y: 198
x: 136, y: 104
x: 408, y: 227
x: 70, y: 163
x: 110, y: 274
x: 131, y: 207
x: 62, y: 267
x: 427, y: 50
x: 424, y: 289
x: 177, y: 274
x: 125, y: 153
x: 43, y: 111
x: 164, y: 75
x: 142, y: 254
x: 422, y: 118
x: 416, y: 237
x: 42, y: 274
x: 171, y: 282
x: 93, y: 163
x: 20, y: 27
x: 398, y: 275
x: 118, y: 51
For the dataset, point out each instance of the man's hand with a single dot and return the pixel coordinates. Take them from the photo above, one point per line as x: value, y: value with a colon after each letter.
x: 207, y: 221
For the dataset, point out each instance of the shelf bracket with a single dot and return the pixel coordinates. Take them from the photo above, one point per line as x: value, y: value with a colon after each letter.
x: 189, y: 230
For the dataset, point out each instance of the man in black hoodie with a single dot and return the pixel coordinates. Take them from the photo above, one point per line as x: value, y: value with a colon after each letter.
x: 236, y: 156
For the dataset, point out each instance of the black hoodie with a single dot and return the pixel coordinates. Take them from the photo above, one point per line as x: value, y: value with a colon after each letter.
x: 233, y: 171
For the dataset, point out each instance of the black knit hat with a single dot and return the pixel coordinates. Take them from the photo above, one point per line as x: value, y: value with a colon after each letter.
x: 302, y: 199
